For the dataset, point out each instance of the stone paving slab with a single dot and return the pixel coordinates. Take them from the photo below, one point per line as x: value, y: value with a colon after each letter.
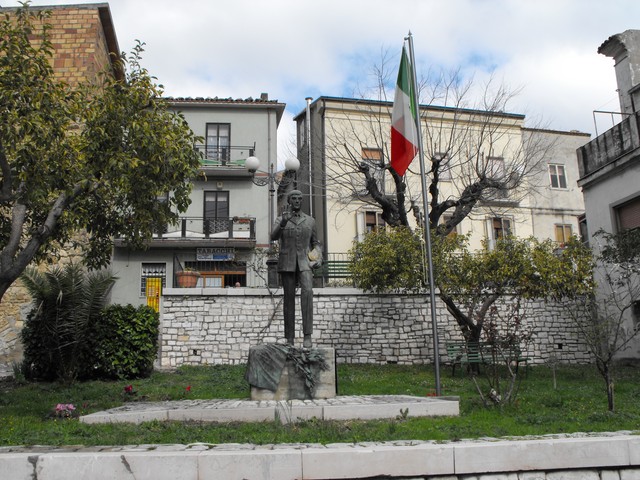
x: 365, y: 407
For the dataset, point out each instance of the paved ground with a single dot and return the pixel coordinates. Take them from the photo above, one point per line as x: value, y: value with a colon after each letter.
x: 338, y: 408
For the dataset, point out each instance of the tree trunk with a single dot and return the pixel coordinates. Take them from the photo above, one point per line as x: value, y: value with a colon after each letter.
x: 608, y: 378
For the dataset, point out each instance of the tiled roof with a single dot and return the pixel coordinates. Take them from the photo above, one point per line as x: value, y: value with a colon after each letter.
x: 260, y: 100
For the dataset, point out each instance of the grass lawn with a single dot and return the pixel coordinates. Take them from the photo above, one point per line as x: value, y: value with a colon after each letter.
x: 577, y: 404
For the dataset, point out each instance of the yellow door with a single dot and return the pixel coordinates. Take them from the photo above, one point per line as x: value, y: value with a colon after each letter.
x: 154, y: 290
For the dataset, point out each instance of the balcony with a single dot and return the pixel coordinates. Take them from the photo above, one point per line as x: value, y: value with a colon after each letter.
x: 610, y: 150
x: 188, y: 232
x: 225, y: 161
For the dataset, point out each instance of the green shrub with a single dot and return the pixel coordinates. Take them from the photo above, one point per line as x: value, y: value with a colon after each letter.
x: 388, y: 260
x: 128, y: 341
x: 58, y: 335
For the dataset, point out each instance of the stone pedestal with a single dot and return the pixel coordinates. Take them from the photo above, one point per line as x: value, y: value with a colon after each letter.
x: 292, y: 382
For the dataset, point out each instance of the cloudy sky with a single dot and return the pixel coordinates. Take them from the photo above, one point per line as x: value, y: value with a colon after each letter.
x: 294, y: 49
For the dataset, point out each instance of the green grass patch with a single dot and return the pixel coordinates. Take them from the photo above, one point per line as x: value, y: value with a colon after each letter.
x: 578, y: 404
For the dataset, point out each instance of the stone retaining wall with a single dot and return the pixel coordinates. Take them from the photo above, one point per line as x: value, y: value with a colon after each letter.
x: 218, y: 326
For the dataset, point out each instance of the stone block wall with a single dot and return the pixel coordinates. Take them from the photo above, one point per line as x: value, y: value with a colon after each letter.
x: 218, y: 326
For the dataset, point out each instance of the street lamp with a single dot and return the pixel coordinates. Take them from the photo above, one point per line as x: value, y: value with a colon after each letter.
x: 270, y: 178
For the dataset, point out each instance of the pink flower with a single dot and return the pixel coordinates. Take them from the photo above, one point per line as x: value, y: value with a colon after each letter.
x: 128, y: 389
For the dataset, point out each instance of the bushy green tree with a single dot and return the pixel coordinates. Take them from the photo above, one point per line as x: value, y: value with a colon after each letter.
x: 93, y: 157
x: 488, y: 290
x: 388, y: 260
x: 471, y: 282
x: 59, y: 333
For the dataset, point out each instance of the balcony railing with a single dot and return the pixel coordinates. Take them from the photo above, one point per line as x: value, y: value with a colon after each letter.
x: 231, y: 156
x: 199, y: 228
x: 613, y: 144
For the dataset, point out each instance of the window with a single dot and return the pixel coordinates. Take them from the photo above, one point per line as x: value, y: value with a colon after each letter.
x: 501, y: 228
x: 216, y: 211
x: 563, y: 233
x: 373, y: 221
x: 218, y: 142
x: 373, y: 158
x: 152, y: 270
x: 557, y: 176
x: 628, y: 214
x: 583, y: 229
x: 495, y: 167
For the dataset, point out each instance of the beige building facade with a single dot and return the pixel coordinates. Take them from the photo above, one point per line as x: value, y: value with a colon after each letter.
x: 337, y: 135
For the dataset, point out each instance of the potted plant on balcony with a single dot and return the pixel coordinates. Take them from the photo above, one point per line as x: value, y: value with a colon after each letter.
x: 187, y: 278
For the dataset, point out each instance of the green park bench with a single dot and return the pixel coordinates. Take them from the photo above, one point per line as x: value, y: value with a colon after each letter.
x: 480, y: 353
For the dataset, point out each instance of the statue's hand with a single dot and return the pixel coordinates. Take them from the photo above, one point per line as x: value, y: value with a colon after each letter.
x: 286, y: 216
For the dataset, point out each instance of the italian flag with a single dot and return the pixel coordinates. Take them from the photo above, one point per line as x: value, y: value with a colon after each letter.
x: 404, y: 135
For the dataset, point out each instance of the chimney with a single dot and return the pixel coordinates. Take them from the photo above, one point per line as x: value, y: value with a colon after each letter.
x: 624, y: 48
x: 264, y: 97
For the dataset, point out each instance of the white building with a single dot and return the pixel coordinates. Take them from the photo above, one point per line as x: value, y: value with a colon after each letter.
x: 229, y: 216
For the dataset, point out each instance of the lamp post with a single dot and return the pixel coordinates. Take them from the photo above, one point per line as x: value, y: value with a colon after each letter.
x: 271, y: 179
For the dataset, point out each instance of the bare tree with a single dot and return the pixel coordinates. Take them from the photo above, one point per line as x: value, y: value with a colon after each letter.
x: 608, y: 326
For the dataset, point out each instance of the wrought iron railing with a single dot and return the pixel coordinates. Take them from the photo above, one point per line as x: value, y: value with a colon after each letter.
x: 204, y: 228
x: 230, y: 156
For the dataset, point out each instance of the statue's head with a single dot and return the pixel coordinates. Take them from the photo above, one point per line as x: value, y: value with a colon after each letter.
x: 293, y: 193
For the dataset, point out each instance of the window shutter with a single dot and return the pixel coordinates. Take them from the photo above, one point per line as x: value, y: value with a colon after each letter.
x: 629, y: 214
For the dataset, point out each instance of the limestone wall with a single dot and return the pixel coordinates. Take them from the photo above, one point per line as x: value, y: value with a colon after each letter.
x: 218, y: 326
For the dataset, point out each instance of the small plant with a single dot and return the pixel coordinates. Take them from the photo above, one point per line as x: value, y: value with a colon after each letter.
x: 64, y: 411
x: 128, y: 393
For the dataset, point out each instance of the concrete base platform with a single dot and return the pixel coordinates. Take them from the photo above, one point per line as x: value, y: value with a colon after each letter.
x: 366, y: 407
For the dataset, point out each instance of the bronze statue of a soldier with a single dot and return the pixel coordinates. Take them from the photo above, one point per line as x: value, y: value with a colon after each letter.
x: 300, y: 253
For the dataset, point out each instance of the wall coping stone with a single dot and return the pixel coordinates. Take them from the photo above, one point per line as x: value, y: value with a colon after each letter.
x: 579, y: 451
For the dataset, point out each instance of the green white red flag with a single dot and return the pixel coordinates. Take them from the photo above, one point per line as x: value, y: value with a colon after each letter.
x: 404, y: 135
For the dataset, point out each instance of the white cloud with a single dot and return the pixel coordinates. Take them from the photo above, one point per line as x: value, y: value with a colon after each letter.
x: 292, y: 49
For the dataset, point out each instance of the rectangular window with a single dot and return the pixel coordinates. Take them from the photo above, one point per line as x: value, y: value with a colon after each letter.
x: 563, y: 233
x: 216, y: 211
x: 373, y: 221
x: 373, y: 158
x: 557, y: 176
x: 628, y: 214
x: 152, y: 270
x: 501, y: 228
x: 218, y: 142
x: 495, y: 167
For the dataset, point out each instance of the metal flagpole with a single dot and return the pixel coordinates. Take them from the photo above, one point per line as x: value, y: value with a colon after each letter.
x: 425, y: 209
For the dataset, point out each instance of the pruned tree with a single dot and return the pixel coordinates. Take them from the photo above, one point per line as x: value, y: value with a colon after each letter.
x: 475, y: 153
x: 92, y: 158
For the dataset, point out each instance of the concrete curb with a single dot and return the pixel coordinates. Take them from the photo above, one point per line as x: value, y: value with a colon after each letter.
x: 579, y: 452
